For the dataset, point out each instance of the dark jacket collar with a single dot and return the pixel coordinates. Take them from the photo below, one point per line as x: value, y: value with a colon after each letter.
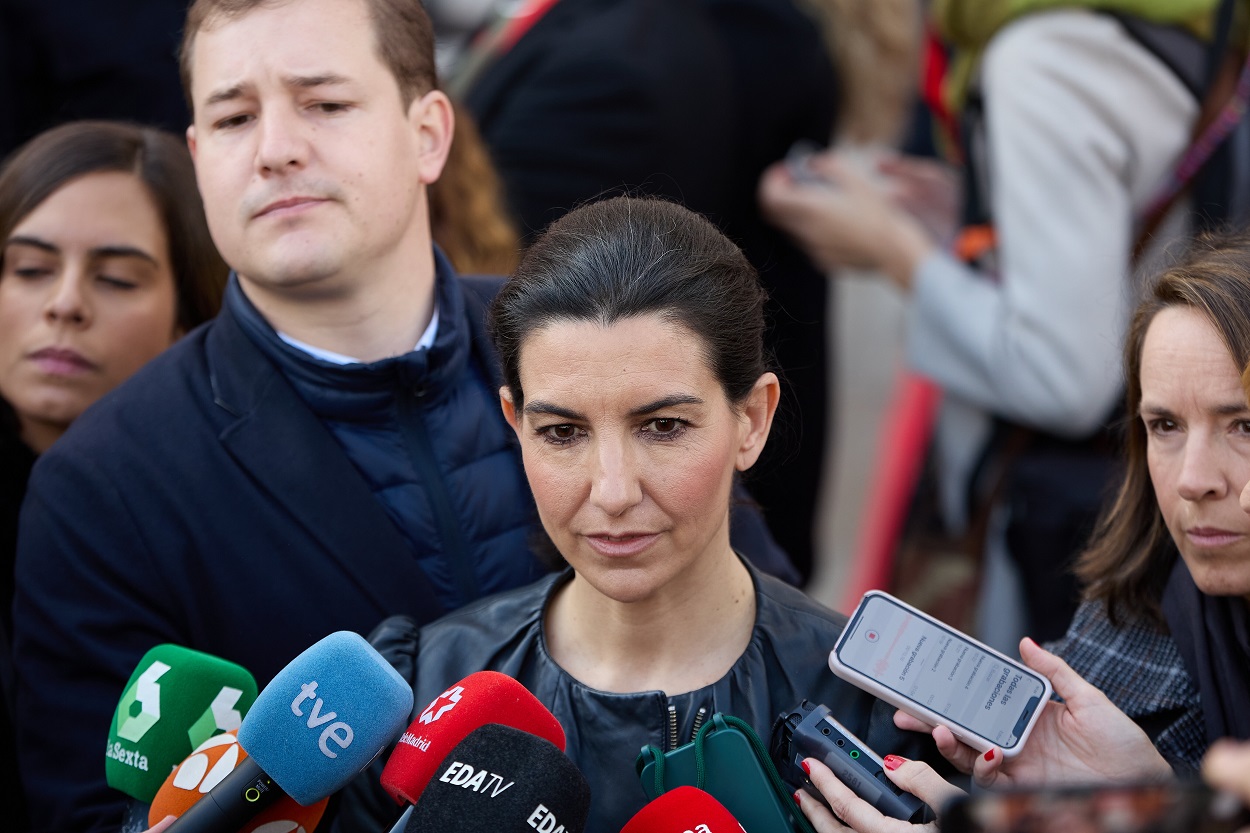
x: 363, y: 392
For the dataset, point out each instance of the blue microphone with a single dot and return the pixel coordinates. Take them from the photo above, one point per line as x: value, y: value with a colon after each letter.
x: 317, y: 724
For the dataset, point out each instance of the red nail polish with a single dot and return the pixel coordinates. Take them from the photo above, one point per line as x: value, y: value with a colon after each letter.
x: 893, y: 762
x: 796, y: 798
x: 806, y: 768
x: 989, y: 756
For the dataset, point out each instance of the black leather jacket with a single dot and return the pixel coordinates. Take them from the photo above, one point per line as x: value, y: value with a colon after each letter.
x: 785, y: 662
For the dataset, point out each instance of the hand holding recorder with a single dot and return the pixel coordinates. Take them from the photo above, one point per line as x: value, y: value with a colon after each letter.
x: 910, y: 777
x: 810, y: 731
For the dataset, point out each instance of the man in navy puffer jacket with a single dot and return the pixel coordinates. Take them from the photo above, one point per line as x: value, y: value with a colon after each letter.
x: 294, y: 467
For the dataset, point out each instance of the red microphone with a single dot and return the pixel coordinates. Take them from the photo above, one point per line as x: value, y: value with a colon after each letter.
x: 683, y: 809
x: 477, y: 700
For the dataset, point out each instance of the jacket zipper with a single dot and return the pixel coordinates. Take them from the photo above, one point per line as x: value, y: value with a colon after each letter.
x: 421, y: 452
x: 699, y: 716
x: 698, y: 721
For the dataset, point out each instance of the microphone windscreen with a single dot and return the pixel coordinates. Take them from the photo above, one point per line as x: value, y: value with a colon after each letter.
x: 176, y: 699
x: 212, y: 761
x: 478, y: 699
x: 325, y: 716
x: 682, y: 809
x: 503, y: 780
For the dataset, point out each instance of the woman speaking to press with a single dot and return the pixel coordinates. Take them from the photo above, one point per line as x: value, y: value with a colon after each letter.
x: 636, y: 381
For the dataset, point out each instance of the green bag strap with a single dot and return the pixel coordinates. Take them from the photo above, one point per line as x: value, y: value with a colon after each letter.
x: 657, y: 755
x: 722, y: 721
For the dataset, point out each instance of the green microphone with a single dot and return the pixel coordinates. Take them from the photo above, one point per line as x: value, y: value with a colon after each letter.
x: 175, y: 700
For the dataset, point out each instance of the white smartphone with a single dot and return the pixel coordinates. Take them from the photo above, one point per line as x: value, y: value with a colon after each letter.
x: 938, y: 674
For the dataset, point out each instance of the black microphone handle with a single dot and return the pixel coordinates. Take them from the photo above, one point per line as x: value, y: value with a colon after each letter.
x: 240, y: 796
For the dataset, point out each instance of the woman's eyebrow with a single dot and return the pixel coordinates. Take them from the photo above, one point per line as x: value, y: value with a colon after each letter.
x: 1230, y: 408
x: 1147, y: 409
x: 33, y: 242
x: 99, y: 251
x: 123, y: 251
x: 666, y: 402
x: 538, y: 407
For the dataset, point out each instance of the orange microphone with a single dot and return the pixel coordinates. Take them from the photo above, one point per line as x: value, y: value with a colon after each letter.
x: 204, y: 769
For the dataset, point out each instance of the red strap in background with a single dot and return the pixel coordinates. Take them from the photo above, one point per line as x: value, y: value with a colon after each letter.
x: 935, y: 61
x: 521, y: 22
x: 905, y: 434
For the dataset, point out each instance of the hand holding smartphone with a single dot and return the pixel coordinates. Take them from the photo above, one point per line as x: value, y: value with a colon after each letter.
x: 799, y: 163
x: 939, y: 675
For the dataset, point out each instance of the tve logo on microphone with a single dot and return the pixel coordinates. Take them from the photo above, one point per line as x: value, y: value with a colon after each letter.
x: 339, y: 732
x: 291, y: 733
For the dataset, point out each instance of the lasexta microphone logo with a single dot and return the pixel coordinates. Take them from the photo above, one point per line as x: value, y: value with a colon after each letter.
x: 222, y: 714
x: 175, y: 699
x: 146, y: 692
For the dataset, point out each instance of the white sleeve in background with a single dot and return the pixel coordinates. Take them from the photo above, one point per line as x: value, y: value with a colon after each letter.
x: 1083, y: 125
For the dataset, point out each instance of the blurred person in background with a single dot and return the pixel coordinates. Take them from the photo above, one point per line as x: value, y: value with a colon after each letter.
x: 69, y: 60
x: 1227, y: 767
x: 469, y: 219
x: 105, y: 261
x: 1072, y: 123
x: 1153, y: 677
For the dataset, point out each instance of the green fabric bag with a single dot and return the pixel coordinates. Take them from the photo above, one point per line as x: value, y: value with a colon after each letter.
x: 727, y: 760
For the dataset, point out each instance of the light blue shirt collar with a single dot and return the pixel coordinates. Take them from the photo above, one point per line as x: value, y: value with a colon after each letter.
x: 423, y: 343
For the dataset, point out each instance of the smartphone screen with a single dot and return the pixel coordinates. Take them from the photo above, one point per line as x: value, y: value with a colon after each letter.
x: 938, y: 668
x: 1176, y: 807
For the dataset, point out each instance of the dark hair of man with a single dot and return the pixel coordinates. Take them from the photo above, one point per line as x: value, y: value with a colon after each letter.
x: 157, y: 159
x: 402, y: 33
x: 1130, y: 555
x: 626, y: 257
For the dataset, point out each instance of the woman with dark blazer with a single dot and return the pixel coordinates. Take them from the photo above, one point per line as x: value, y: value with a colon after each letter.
x: 105, y: 260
